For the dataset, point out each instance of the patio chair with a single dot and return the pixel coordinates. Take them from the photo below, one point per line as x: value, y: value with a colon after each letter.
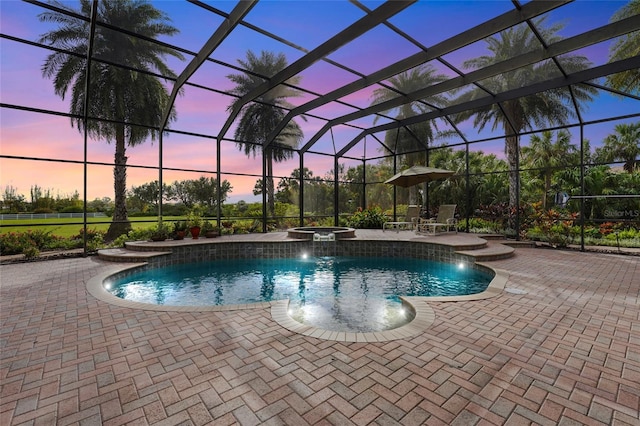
x: 410, y: 220
x: 445, y: 221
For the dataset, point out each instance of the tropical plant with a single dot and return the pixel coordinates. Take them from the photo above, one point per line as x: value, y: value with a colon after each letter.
x: 370, y: 218
x: 487, y: 179
x: 626, y: 46
x: 557, y: 226
x: 545, y: 156
x: 410, y: 142
x: 118, y: 96
x: 194, y: 217
x: 259, y: 118
x: 160, y: 231
x: 209, y: 229
x: 598, y: 180
x: 179, y: 229
x: 623, y: 145
x: 516, y: 115
x: 180, y: 225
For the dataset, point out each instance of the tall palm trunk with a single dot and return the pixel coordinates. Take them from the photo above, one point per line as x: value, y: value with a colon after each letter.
x: 512, y: 146
x: 120, y: 222
x: 513, y: 112
x: 269, y: 183
x: 547, y: 188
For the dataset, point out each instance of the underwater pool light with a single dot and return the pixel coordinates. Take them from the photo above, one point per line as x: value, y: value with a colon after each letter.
x: 461, y: 265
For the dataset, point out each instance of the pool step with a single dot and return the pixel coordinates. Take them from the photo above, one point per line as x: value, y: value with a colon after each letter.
x: 516, y: 244
x: 125, y: 255
x: 493, y: 251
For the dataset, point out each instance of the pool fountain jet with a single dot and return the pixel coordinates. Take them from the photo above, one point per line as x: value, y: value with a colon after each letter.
x: 324, y: 237
x: 322, y: 242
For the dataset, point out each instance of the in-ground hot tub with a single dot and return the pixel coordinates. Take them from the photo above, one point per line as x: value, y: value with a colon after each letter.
x: 307, y: 232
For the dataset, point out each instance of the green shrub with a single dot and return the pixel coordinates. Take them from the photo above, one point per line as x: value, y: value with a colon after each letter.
x: 141, y: 234
x: 371, y: 218
x: 623, y: 234
x: 95, y: 243
x: 13, y: 242
x: 31, y: 252
x: 16, y: 242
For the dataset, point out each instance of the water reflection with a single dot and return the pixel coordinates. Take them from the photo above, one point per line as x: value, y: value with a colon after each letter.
x: 360, y: 294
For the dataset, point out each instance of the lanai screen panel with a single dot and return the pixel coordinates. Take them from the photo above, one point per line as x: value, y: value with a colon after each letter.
x: 337, y: 55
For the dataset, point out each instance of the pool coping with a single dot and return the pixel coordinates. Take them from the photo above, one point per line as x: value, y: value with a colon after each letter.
x: 424, y: 314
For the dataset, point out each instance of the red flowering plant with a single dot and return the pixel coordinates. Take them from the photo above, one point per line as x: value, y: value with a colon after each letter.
x: 556, y: 225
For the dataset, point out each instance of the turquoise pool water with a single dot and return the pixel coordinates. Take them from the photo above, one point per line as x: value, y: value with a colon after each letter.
x: 334, y: 293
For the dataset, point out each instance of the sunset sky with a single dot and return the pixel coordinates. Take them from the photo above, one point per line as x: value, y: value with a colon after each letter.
x: 307, y: 24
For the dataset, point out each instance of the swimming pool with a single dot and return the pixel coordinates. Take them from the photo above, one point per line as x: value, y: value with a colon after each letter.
x: 359, y: 294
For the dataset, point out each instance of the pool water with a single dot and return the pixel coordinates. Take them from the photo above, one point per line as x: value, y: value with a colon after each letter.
x: 357, y: 294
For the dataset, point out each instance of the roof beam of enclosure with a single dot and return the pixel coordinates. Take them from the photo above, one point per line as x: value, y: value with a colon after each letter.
x: 379, y: 15
x: 554, y: 83
x: 597, y: 35
x: 236, y: 15
x: 465, y: 38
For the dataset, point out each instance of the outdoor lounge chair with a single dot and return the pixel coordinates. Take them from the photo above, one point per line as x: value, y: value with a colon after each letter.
x: 410, y: 220
x: 444, y: 222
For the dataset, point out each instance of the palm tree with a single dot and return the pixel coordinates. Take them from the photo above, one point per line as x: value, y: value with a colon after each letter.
x: 546, y: 156
x: 260, y: 117
x: 423, y: 133
x: 486, y: 178
x: 117, y: 96
x: 626, y: 46
x: 623, y: 145
x: 552, y: 107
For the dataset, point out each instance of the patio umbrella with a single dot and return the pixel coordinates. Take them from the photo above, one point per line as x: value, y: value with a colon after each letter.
x: 418, y: 174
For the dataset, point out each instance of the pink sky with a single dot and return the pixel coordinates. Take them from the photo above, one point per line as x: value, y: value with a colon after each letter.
x: 29, y: 134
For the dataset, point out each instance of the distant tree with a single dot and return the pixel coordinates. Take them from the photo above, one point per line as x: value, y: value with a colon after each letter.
x: 202, y: 191
x: 626, y: 46
x: 487, y: 179
x: 69, y: 203
x: 622, y: 145
x: 242, y: 206
x: 119, y: 96
x: 12, y: 200
x: 179, y: 191
x: 104, y: 204
x: 546, y: 156
x: 41, y: 199
x: 257, y: 188
x: 148, y: 193
x: 288, y: 190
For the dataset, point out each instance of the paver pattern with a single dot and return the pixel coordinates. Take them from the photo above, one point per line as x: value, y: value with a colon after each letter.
x: 560, y: 346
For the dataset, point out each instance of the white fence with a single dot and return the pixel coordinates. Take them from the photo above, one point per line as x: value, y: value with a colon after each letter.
x: 27, y: 216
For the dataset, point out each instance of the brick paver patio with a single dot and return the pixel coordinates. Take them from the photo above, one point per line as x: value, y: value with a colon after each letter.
x: 561, y: 345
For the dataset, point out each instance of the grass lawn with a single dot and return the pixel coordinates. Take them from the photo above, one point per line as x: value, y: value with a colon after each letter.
x: 68, y: 227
